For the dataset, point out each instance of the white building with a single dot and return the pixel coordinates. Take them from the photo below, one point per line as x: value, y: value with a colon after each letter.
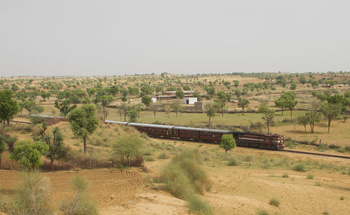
x: 154, y: 99
x: 189, y: 100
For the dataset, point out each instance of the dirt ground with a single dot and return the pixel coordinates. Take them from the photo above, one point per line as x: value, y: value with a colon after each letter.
x: 236, y: 189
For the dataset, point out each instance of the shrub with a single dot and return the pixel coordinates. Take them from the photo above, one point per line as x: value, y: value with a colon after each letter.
x: 262, y: 212
x: 33, y: 195
x: 82, y: 202
x: 342, y: 198
x: 300, y: 167
x: 274, y: 202
x: 163, y: 156
x: 195, y: 204
x: 232, y: 162
x: 310, y: 177
x: 285, y: 175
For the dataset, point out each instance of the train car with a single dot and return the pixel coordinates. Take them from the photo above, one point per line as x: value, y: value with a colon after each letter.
x: 154, y: 130
x: 116, y: 122
x: 201, y: 134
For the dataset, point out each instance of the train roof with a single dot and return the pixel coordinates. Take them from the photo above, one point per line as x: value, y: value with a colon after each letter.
x: 151, y: 125
x: 202, y: 129
x: 116, y: 122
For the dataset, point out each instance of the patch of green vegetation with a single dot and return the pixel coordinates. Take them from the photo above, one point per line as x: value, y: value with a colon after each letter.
x: 310, y: 176
x: 274, y: 202
x: 300, y: 167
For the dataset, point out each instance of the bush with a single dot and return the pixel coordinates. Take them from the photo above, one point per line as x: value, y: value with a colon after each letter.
x: 195, y: 204
x: 285, y: 175
x: 232, y: 162
x: 163, y: 156
x: 310, y: 177
x: 262, y: 212
x: 300, y: 167
x: 32, y: 195
x: 274, y: 202
x: 82, y: 202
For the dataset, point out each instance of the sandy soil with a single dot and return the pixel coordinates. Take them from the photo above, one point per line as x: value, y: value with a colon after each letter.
x: 236, y: 189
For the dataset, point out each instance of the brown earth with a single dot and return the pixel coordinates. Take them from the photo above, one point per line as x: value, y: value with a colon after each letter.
x: 242, y: 189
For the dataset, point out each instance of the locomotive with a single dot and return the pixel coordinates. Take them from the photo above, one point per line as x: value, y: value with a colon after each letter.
x: 245, y: 139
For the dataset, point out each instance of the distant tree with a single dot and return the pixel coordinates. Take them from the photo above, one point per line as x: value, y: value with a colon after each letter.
x: 263, y: 108
x: 45, y: 95
x: 238, y: 93
x: 123, y: 110
x: 179, y: 94
x: 197, y: 95
x: 302, y: 79
x: 293, y: 85
x: 243, y: 103
x: 312, y: 117
x: 128, y: 147
x: 28, y: 154
x: 222, y: 100
x: 186, y: 87
x: 314, y: 83
x: 146, y: 90
x: 14, y: 88
x: 330, y: 111
x: 55, y: 143
x: 146, y: 100
x: 227, y: 142
x: 210, y: 109
x: 8, y: 106
x: 268, y: 117
x: 287, y: 99
x: 154, y: 108
x: 84, y: 121
x: 236, y: 83
x: 303, y: 120
x: 167, y: 110
x: 210, y: 90
x: 64, y: 106
x: 105, y: 101
x: 133, y: 113
x: 176, y: 106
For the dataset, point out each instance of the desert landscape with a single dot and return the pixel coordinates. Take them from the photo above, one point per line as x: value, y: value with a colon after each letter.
x: 241, y: 181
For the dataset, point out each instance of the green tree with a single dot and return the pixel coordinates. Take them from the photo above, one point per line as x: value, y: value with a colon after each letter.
x: 133, y: 113
x: 227, y: 142
x: 243, y: 103
x: 268, y: 117
x: 105, y: 101
x: 197, y: 95
x: 293, y: 85
x: 288, y: 99
x: 222, y: 100
x: 84, y: 121
x: 236, y: 83
x: 330, y: 111
x: 64, y: 106
x: 146, y: 100
x: 303, y: 120
x: 28, y: 154
x: 210, y: 109
x: 179, y: 94
x: 312, y: 118
x: 154, y: 108
x: 8, y: 106
x: 123, y: 110
x: 176, y: 106
x: 128, y: 147
x: 302, y: 79
x: 55, y: 143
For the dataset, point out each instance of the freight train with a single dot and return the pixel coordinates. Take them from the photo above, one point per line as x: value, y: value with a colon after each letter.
x: 246, y: 139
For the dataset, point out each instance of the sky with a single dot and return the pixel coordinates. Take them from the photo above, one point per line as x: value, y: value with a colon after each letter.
x: 115, y: 37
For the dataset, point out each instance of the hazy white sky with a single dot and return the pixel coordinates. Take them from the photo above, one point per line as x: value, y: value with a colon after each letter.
x: 84, y: 37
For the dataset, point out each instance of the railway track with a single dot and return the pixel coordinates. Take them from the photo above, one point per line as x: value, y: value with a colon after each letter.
x: 317, y: 154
